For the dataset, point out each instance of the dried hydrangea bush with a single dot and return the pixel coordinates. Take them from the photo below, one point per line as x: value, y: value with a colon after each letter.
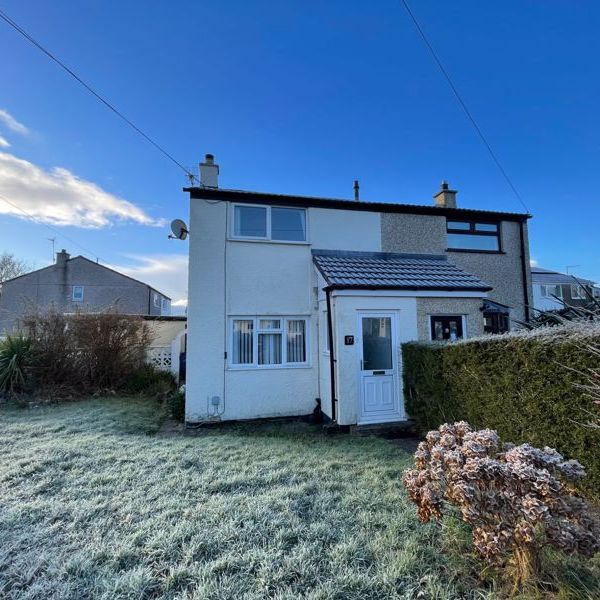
x: 515, y: 498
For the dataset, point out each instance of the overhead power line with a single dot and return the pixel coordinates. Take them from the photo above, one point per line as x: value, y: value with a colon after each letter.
x: 96, y: 94
x: 462, y: 103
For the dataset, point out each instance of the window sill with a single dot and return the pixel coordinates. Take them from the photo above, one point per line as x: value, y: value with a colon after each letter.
x: 266, y: 367
x: 263, y: 241
x: 470, y: 251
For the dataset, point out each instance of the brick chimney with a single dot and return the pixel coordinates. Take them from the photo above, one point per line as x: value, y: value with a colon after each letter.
x: 445, y: 198
x: 209, y: 172
x: 61, y: 258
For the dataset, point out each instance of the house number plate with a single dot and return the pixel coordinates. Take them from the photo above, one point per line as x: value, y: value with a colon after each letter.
x: 348, y: 340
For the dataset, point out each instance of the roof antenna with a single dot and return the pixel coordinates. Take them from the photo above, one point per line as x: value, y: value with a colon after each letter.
x: 52, y: 241
x: 356, y: 188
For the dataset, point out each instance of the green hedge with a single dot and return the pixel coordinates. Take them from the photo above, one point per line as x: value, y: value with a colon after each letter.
x: 523, y: 385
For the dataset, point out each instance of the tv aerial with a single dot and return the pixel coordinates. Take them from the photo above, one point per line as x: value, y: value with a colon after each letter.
x: 179, y: 230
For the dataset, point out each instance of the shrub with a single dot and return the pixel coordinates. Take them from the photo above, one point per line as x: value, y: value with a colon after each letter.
x: 523, y: 385
x: 15, y: 354
x: 515, y: 498
x: 176, y: 406
x: 86, y: 351
x: 150, y: 381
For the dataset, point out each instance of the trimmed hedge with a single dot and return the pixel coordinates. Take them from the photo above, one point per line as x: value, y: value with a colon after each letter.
x: 524, y: 385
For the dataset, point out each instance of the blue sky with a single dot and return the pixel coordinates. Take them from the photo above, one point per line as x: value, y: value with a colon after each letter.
x: 295, y: 97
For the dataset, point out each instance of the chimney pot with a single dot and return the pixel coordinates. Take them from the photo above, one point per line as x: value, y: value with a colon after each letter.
x: 445, y: 198
x: 356, y: 190
x: 209, y: 172
x: 62, y: 257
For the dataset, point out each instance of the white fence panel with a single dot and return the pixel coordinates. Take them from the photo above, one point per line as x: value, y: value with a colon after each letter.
x: 160, y: 357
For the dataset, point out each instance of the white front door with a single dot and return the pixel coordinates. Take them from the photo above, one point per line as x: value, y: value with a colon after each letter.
x: 378, y: 351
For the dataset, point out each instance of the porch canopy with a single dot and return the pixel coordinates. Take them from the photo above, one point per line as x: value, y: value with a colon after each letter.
x: 343, y: 269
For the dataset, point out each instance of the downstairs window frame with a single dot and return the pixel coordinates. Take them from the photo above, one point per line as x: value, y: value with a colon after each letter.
x: 259, y: 328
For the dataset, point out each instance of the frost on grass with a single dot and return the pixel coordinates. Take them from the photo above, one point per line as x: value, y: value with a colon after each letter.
x: 95, y: 506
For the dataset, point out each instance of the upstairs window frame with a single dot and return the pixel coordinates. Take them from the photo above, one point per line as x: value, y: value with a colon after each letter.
x: 476, y: 227
x: 78, y: 297
x: 268, y: 237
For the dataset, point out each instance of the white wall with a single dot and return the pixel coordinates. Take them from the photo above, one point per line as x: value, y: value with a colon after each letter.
x: 206, y: 315
x: 262, y: 278
x: 344, y: 229
x: 345, y: 309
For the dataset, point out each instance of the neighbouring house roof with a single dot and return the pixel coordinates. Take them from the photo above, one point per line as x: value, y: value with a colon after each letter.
x: 385, y: 207
x: 545, y: 276
x: 91, y: 262
x: 385, y: 270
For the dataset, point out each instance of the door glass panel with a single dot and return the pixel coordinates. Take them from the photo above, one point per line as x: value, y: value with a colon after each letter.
x: 377, y: 343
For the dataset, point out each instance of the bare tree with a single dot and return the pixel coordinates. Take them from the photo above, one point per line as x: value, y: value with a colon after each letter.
x: 11, y: 266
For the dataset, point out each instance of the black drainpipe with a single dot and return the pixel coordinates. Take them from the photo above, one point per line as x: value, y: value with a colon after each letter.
x: 331, y: 354
x: 524, y: 272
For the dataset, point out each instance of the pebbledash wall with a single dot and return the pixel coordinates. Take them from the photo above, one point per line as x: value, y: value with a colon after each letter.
x: 503, y: 271
x: 234, y: 278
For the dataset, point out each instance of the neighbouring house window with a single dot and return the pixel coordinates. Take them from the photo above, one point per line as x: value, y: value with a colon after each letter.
x: 269, y: 342
x: 446, y: 327
x: 77, y: 293
x: 578, y: 293
x: 156, y: 299
x: 269, y: 223
x: 473, y: 235
x: 548, y: 291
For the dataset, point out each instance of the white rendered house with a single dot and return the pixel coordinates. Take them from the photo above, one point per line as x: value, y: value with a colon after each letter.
x: 296, y: 300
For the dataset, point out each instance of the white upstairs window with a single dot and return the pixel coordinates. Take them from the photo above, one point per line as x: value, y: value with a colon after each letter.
x: 266, y: 342
x: 77, y: 293
x: 276, y: 223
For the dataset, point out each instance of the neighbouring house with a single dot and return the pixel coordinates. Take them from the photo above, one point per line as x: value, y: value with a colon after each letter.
x: 295, y: 301
x: 552, y: 290
x: 72, y: 284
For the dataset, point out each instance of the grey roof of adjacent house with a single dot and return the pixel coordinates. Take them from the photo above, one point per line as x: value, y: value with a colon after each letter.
x: 385, y: 270
x: 91, y: 262
x: 545, y: 276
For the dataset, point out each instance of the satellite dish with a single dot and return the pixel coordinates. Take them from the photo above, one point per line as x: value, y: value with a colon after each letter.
x: 179, y: 229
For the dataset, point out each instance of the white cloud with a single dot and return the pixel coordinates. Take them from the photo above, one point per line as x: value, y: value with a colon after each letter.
x: 59, y: 197
x: 165, y: 272
x: 12, y: 123
x: 533, y: 263
x: 4, y: 142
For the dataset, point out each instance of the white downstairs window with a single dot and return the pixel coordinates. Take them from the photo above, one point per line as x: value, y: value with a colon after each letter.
x: 268, y: 342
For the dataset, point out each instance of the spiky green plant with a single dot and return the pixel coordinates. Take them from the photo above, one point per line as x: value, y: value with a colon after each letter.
x: 15, y: 352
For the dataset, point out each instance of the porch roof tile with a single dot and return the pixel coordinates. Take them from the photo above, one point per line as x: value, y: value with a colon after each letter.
x: 343, y: 269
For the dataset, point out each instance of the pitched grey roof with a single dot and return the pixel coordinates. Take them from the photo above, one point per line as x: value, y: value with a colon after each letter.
x: 384, y: 270
x: 545, y: 276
